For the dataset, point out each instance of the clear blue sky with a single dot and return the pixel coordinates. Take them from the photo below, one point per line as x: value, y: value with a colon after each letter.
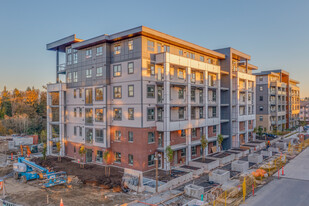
x: 275, y: 33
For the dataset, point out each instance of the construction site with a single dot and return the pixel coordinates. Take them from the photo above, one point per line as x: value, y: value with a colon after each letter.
x: 223, y: 178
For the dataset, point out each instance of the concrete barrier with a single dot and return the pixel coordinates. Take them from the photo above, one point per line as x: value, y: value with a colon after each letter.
x: 281, y: 145
x: 223, y: 160
x: 267, y: 153
x: 238, y: 154
x: 240, y: 166
x: 219, y: 176
x: 255, y: 158
x: 194, y: 191
x: 206, y: 166
x: 273, y: 149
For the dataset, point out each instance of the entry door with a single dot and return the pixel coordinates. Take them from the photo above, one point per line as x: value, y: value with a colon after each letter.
x: 88, y: 155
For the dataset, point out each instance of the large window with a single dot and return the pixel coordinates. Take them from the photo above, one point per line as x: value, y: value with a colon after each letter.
x: 69, y: 59
x: 99, y: 94
x: 150, y: 91
x: 130, y: 136
x: 75, y: 77
x: 117, y: 135
x: 193, y: 95
x: 99, y: 156
x: 80, y: 112
x: 69, y: 77
x: 193, y: 151
x: 89, y: 135
x: 88, y: 96
x: 150, y: 45
x: 151, y: 70
x: 88, y: 119
x: 118, y: 157
x: 88, y: 53
x: 130, y: 68
x: 99, y: 51
x: 181, y: 93
x: 166, y: 48
x: 193, y: 132
x: 151, y: 137
x: 131, y: 114
x: 75, y: 58
x: 99, y: 72
x: 117, y: 49
x: 117, y: 92
x: 99, y: 115
x: 151, y: 160
x: 130, y: 159
x: 150, y: 114
x: 131, y: 91
x: 130, y: 45
x: 117, y: 114
x: 117, y: 70
x: 181, y: 113
x: 181, y: 74
x: 99, y: 136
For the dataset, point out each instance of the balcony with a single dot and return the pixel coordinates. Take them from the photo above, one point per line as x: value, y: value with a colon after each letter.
x: 272, y: 102
x: 272, y: 92
x: 61, y: 68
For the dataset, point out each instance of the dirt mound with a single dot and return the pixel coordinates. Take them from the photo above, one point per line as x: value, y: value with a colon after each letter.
x: 90, y: 174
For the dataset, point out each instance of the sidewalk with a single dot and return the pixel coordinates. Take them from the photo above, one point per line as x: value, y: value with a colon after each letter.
x: 290, y: 190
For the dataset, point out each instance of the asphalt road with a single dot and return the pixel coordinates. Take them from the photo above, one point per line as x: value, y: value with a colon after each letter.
x: 292, y: 189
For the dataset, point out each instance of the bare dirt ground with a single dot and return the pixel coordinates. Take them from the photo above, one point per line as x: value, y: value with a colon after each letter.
x: 90, y: 186
x: 90, y: 174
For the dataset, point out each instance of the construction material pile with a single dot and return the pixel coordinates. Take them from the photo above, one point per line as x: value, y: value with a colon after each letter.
x: 234, y: 195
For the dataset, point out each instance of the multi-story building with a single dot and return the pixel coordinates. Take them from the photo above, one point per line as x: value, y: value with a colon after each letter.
x: 136, y: 92
x: 276, y: 100
x: 304, y: 111
x: 237, y: 97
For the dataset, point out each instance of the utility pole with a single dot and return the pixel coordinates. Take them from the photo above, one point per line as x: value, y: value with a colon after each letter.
x: 156, y: 158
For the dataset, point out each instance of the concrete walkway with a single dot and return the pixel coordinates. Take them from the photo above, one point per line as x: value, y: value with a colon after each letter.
x: 289, y: 190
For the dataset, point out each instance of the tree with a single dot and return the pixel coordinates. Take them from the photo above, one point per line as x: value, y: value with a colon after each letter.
x: 59, y: 150
x: 44, y: 151
x: 220, y: 140
x: 170, y: 156
x: 82, y: 152
x: 43, y: 136
x: 204, y: 144
x: 106, y: 158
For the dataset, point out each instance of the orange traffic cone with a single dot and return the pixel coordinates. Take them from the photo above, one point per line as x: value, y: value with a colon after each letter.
x: 61, y: 202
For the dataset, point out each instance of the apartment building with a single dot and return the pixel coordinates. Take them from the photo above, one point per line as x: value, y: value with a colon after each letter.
x: 304, y: 111
x: 277, y: 97
x: 237, y: 97
x: 134, y: 93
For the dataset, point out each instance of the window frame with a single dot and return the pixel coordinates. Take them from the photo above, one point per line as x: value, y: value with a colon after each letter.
x: 117, y: 87
x: 154, y: 117
x: 131, y: 63
x: 114, y: 114
x: 131, y: 117
x: 95, y: 93
x: 130, y: 86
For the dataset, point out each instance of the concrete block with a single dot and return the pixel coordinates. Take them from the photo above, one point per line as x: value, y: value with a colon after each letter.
x: 240, y: 166
x: 281, y: 145
x: 194, y: 203
x: 194, y: 191
x: 255, y: 158
x: 267, y: 153
x: 273, y: 149
x: 219, y: 176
